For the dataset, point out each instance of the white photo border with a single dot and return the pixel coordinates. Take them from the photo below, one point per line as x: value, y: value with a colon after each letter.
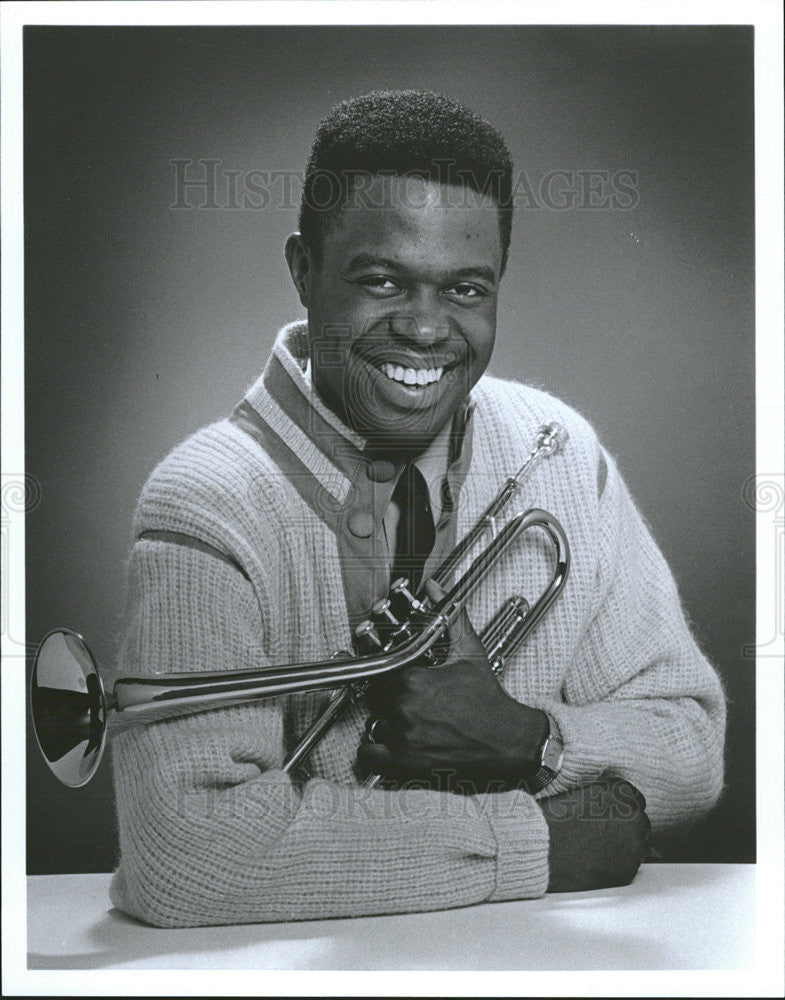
x: 765, y: 979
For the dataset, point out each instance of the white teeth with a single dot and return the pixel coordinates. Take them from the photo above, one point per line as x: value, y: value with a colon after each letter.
x: 411, y: 376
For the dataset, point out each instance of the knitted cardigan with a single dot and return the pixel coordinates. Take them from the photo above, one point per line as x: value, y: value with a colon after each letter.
x: 238, y: 567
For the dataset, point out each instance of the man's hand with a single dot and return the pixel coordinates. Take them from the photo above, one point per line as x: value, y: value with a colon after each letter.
x: 599, y: 835
x: 455, y: 719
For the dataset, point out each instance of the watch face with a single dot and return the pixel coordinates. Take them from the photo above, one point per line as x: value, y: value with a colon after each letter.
x: 553, y: 754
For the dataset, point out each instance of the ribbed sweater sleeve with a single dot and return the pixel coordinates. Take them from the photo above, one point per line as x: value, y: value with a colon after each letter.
x: 639, y: 699
x: 211, y: 829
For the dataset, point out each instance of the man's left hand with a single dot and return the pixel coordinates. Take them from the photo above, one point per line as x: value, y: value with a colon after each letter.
x: 454, y: 718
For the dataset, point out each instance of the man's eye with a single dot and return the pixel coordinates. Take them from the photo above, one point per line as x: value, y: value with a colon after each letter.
x: 379, y: 284
x: 466, y: 291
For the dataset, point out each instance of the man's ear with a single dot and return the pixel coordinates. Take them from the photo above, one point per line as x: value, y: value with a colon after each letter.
x: 298, y: 259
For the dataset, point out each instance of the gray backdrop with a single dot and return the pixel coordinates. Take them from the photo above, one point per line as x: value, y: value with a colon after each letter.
x: 144, y: 321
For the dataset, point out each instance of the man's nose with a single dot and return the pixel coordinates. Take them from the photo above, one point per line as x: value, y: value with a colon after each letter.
x: 425, y: 322
x: 424, y: 329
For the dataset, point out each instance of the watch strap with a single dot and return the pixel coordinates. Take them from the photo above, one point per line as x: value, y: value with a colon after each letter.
x: 551, y: 756
x: 536, y: 782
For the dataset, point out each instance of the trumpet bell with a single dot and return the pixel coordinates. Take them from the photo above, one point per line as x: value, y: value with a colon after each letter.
x: 68, y: 707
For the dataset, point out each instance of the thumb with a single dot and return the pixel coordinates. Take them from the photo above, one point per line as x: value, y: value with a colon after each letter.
x: 461, y: 627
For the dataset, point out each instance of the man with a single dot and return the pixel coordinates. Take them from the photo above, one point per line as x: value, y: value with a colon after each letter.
x: 371, y: 441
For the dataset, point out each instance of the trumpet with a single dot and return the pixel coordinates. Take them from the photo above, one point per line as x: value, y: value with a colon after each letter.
x: 70, y: 706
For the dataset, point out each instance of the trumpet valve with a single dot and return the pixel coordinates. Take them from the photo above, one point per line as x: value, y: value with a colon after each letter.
x: 400, y: 588
x: 382, y: 610
x: 366, y: 633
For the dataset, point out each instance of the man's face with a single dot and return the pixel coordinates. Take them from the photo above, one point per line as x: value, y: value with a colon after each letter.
x: 401, y: 306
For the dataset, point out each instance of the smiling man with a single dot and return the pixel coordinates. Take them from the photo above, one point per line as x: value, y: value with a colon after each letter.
x: 369, y: 444
x: 404, y: 292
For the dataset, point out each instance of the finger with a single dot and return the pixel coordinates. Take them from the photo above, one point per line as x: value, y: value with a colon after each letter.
x: 374, y: 758
x: 383, y: 732
x: 638, y: 798
x: 637, y: 795
x: 461, y: 634
x: 387, y: 702
x: 462, y: 629
x: 647, y: 840
x: 402, y: 766
x: 627, y: 788
x: 382, y: 694
x: 463, y: 642
x: 623, y: 791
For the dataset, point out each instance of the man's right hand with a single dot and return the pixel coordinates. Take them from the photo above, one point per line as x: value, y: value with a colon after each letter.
x: 599, y: 835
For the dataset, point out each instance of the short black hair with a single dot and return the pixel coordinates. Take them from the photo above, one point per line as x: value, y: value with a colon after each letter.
x: 403, y: 132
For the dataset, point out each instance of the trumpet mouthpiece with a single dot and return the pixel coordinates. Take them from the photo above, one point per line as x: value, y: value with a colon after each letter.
x: 552, y: 437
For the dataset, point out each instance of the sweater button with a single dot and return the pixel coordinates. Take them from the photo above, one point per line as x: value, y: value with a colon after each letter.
x: 360, y: 524
x: 380, y: 471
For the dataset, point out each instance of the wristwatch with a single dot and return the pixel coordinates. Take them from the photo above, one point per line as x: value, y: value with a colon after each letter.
x: 551, y: 757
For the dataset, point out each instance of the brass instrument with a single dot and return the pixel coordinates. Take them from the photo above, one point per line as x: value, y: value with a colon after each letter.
x: 70, y: 707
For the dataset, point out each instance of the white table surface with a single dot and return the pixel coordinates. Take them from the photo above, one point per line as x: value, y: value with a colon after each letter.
x: 686, y: 916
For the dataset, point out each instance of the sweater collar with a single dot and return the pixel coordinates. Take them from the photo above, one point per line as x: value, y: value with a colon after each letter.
x: 285, y: 397
x: 327, y: 464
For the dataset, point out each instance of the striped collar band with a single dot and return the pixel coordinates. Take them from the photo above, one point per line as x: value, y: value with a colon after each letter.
x: 288, y: 403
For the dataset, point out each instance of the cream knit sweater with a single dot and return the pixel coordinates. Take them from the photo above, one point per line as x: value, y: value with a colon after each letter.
x: 239, y: 567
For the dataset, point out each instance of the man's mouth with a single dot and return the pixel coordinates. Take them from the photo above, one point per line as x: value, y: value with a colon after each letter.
x: 411, y: 376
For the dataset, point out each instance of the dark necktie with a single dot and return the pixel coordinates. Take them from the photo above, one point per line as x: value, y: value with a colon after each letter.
x: 415, y: 534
